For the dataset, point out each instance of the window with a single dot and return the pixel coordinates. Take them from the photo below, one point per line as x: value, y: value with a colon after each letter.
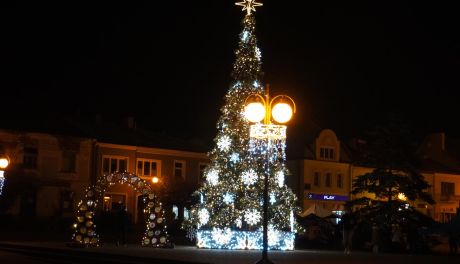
x: 114, y: 164
x: 30, y: 158
x: 328, y: 179
x: 114, y: 202
x: 202, y: 167
x: 148, y: 168
x: 67, y: 201
x: 179, y: 169
x: 316, y: 179
x: 447, y: 188
x: 186, y: 214
x: 175, y: 211
x: 339, y: 180
x: 69, y: 160
x: 326, y: 153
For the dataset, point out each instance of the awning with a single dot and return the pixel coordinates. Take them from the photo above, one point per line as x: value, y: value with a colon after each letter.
x: 316, y: 210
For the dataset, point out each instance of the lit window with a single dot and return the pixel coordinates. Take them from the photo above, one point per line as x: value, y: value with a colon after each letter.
x: 175, y: 211
x: 186, y: 214
x: 114, y: 164
x: 327, y: 153
x: 148, y: 168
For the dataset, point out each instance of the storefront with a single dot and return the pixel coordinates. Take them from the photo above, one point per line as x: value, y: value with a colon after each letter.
x: 333, y: 204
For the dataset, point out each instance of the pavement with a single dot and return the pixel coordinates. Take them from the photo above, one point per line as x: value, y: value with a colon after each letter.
x: 134, y: 253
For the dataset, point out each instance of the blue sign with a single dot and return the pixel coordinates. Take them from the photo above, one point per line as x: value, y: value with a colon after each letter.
x: 327, y: 197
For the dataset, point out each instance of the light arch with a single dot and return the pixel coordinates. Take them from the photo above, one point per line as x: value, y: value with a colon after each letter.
x: 85, y: 234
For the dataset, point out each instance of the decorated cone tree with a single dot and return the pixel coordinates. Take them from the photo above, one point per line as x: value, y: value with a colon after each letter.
x: 156, y: 234
x: 230, y: 209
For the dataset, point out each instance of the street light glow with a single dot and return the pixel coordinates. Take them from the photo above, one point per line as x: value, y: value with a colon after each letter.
x: 4, y: 163
x: 282, y: 112
x: 255, y: 112
x: 155, y: 179
x: 402, y: 197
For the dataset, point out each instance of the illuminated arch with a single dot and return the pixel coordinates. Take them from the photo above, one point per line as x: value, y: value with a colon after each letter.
x: 85, y: 229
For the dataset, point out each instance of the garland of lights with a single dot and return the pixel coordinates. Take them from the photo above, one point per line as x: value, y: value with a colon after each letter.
x: 2, y: 181
x: 85, y: 230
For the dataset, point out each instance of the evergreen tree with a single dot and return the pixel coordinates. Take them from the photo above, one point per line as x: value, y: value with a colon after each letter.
x: 383, y: 196
x: 229, y: 213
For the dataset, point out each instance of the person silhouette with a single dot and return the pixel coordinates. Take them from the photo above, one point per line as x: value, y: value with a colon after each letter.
x: 122, y: 225
x: 453, y: 243
x: 348, y: 226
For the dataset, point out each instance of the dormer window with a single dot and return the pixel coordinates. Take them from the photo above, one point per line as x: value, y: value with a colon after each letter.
x: 327, y: 153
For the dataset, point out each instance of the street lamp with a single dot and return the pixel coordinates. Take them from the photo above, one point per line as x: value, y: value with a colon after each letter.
x: 4, y: 162
x: 155, y: 180
x: 258, y: 108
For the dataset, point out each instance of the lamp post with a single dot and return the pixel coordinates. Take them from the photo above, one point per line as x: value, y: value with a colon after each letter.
x: 155, y: 181
x: 4, y: 162
x: 258, y: 108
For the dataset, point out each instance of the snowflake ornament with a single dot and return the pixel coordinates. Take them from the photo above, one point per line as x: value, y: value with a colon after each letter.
x: 245, y: 36
x: 280, y: 178
x: 235, y: 157
x: 191, y: 233
x: 203, y: 216
x: 249, y: 177
x: 239, y: 222
x: 228, y: 198
x: 213, y: 177
x: 272, y: 198
x: 252, y: 217
x: 224, y: 143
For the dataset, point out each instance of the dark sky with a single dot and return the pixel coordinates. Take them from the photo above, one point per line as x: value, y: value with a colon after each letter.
x: 167, y: 63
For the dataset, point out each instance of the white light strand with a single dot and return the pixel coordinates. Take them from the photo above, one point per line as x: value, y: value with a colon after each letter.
x: 2, y: 181
x: 233, y: 239
x: 258, y: 55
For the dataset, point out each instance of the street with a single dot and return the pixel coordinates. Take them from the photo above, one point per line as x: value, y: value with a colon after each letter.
x: 58, y: 253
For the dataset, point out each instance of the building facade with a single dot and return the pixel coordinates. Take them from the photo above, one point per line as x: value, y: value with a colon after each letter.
x: 323, y: 177
x: 47, y: 173
x: 179, y: 173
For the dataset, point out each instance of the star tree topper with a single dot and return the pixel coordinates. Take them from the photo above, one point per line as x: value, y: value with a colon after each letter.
x: 249, y: 5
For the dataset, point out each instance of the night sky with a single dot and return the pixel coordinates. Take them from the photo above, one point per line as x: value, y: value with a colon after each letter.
x: 167, y: 63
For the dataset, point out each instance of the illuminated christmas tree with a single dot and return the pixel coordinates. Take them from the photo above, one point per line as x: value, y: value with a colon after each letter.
x: 230, y: 211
